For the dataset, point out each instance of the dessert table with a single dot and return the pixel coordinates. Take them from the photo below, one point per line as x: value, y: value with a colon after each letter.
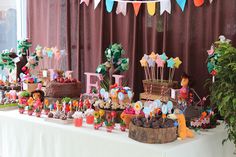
x: 24, y: 136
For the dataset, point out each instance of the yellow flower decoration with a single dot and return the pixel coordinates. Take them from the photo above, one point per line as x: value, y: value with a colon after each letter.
x: 96, y: 114
x: 177, y: 62
x: 75, y: 103
x: 30, y: 101
x: 138, y: 106
x: 153, y: 56
x: 101, y: 112
x: 46, y: 102
x: 143, y: 62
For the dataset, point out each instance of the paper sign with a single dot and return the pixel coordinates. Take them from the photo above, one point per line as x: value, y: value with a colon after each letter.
x: 45, y: 73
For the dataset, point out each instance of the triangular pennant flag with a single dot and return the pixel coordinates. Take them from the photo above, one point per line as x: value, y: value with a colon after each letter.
x: 136, y: 7
x: 151, y: 7
x: 85, y: 1
x: 211, y: 1
x: 96, y: 2
x: 109, y: 5
x: 198, y: 3
x: 181, y: 3
x: 121, y: 8
x: 165, y: 6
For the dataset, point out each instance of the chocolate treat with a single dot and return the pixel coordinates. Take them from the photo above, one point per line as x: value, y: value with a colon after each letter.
x: 57, y: 115
x: 147, y: 124
x: 59, y: 90
x: 69, y: 114
x: 50, y: 115
x: 63, y: 117
x: 138, y: 122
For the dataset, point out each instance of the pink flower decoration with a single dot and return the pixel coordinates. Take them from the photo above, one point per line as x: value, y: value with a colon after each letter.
x: 159, y: 61
x: 211, y: 51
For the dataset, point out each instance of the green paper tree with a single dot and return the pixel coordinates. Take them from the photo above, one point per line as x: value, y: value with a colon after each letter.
x: 6, y: 61
x: 23, y: 46
x: 115, y: 63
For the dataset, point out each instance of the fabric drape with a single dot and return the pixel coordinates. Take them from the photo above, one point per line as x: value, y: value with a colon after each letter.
x: 85, y: 33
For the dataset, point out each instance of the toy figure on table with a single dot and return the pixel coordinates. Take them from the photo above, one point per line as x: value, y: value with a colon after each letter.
x: 184, y: 94
x: 38, y: 97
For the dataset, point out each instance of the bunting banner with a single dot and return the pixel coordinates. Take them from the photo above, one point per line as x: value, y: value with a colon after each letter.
x: 136, y: 7
x: 181, y: 4
x: 121, y: 8
x: 109, y: 5
x: 151, y: 7
x: 198, y: 3
x: 165, y: 6
x: 85, y: 1
x: 96, y: 2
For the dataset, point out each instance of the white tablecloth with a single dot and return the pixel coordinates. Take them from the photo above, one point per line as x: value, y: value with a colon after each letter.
x: 24, y: 136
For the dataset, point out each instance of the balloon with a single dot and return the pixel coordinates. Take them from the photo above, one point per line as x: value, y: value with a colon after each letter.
x: 130, y: 95
x: 146, y: 110
x: 121, y: 96
x: 113, y: 92
x: 106, y: 95
x: 159, y: 103
x: 169, y: 105
x: 164, y: 109
x: 102, y: 92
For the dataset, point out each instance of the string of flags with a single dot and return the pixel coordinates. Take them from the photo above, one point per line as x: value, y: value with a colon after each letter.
x: 165, y: 5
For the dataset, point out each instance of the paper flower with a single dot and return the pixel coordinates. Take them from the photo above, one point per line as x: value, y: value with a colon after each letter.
x: 211, y: 51
x: 138, y: 106
x: 163, y: 56
x: 153, y: 56
x: 151, y: 62
x: 143, y: 62
x: 177, y: 62
x: 159, y: 61
x: 96, y: 114
x: 101, y: 112
x: 170, y: 63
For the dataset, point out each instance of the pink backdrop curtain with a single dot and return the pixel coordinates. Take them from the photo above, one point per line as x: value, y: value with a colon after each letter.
x: 85, y: 33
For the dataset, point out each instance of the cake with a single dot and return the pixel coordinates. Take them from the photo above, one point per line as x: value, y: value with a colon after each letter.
x: 56, y: 89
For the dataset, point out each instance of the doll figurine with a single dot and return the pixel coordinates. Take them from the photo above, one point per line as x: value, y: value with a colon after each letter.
x: 38, y: 97
x: 184, y: 91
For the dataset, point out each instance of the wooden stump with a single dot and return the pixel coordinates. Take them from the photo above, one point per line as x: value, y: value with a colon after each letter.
x: 150, y: 135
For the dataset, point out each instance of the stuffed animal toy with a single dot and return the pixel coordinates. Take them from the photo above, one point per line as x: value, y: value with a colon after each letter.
x: 183, y: 130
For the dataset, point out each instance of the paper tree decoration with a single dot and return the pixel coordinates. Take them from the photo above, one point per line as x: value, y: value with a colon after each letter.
x: 114, y: 64
x: 23, y: 46
x: 6, y: 61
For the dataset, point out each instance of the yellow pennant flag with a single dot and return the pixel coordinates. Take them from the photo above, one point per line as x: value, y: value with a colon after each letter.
x: 151, y: 7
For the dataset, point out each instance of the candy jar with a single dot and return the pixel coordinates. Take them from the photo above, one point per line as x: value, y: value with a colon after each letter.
x: 89, y: 116
x: 78, y: 118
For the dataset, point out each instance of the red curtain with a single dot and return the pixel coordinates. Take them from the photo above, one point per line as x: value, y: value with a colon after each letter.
x: 85, y: 33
